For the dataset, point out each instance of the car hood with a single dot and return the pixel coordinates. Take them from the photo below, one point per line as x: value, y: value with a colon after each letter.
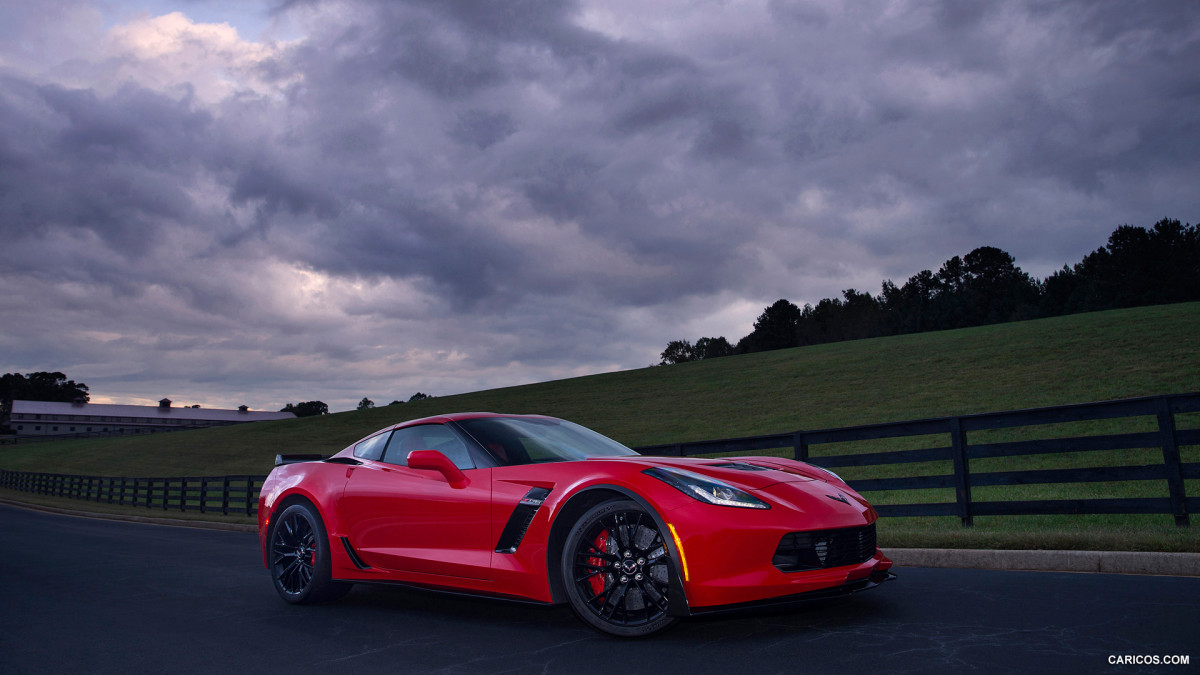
x: 753, y: 473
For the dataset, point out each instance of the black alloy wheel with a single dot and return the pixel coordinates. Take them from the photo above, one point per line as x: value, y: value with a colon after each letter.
x: 617, y: 571
x: 299, y: 557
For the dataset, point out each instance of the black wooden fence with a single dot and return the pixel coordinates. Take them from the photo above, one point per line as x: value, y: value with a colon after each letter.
x: 117, y: 433
x: 239, y: 494
x: 960, y: 451
x: 226, y: 495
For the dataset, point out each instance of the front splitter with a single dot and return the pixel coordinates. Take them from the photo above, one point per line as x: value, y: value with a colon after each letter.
x: 843, y: 591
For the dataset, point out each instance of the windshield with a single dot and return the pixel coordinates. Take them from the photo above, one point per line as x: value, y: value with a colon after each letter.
x: 529, y: 440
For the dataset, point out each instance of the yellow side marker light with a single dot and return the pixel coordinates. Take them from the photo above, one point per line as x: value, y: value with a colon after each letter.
x: 679, y: 547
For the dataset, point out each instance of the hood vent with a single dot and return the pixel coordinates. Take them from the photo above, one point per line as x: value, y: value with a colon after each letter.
x: 740, y: 466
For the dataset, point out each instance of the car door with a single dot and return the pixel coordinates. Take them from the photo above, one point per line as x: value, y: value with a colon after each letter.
x: 411, y: 520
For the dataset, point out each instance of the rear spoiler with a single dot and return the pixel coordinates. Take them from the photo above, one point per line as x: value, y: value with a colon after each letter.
x: 280, y: 460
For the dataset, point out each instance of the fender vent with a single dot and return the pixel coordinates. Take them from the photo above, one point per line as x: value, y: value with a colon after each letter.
x: 354, y: 555
x: 518, y: 522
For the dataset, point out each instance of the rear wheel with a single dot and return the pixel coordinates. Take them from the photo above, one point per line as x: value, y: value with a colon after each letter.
x: 617, y: 572
x: 300, y: 561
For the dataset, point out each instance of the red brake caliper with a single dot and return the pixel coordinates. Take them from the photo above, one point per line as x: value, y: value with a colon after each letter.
x: 597, y: 581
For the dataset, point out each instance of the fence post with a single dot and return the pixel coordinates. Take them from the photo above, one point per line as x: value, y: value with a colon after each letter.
x: 225, y: 496
x: 800, y: 446
x: 250, y: 490
x: 1170, y: 451
x: 962, y: 474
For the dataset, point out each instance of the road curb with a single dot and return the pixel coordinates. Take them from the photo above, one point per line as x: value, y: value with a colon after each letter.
x: 1104, y: 562
x: 173, y: 522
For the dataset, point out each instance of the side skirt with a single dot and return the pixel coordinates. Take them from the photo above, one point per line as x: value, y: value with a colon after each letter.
x: 441, y: 590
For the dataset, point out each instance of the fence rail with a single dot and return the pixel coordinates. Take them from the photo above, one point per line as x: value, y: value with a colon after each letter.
x: 960, y: 451
x: 25, y: 439
x: 239, y: 494
x: 207, y: 494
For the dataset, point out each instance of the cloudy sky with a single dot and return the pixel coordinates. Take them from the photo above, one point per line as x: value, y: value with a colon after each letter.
x: 231, y: 201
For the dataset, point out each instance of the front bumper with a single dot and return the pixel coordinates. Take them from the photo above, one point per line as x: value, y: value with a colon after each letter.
x: 727, y: 556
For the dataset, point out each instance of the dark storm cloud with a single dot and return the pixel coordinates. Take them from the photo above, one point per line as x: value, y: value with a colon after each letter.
x: 934, y: 94
x: 561, y: 172
x: 481, y: 128
x: 446, y: 195
x: 106, y: 166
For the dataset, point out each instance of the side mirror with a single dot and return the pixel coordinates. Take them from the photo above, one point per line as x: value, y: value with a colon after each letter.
x: 432, y: 460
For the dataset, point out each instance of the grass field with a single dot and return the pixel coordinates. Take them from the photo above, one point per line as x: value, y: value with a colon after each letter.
x: 1074, y: 359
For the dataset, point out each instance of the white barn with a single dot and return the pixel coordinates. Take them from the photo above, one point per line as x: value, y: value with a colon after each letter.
x: 48, y: 418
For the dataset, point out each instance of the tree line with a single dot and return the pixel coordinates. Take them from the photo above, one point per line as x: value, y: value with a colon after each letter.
x: 41, y: 386
x: 313, y: 408
x: 367, y: 404
x: 1137, y: 267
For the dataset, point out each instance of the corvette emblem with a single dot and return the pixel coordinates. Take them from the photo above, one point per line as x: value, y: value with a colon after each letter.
x: 839, y: 498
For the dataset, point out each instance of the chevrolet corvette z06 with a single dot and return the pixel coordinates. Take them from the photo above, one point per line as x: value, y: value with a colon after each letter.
x: 542, y: 510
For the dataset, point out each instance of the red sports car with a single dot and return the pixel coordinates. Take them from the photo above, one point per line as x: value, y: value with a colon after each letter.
x: 540, y: 509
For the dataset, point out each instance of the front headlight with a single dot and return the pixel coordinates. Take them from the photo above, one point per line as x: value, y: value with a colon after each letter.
x: 705, y: 489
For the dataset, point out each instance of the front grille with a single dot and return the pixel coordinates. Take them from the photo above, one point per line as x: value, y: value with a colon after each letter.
x: 821, y: 549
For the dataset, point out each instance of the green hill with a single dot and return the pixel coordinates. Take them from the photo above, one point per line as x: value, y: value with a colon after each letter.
x: 1072, y: 359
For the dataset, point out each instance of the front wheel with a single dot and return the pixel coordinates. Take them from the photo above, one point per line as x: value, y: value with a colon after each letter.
x: 300, y: 562
x: 617, y: 572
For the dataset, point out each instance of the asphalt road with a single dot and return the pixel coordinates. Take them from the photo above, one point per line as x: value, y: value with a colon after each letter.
x: 99, y: 596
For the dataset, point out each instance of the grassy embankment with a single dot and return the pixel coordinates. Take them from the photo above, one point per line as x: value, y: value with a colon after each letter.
x: 1087, y: 357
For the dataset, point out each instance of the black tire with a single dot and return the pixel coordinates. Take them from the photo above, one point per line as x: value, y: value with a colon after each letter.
x: 617, y: 571
x: 299, y: 557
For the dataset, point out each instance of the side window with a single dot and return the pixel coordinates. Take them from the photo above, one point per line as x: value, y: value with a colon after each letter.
x: 428, y: 437
x: 372, y: 448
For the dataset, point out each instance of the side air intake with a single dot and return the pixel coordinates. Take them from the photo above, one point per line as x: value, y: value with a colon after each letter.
x: 518, y: 522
